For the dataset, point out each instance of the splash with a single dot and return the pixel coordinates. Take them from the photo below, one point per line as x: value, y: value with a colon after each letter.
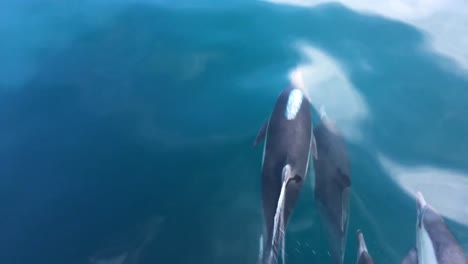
x: 297, y: 79
x: 327, y: 86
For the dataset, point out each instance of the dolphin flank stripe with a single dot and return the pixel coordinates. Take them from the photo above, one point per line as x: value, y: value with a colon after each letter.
x: 264, y: 145
x: 278, y: 227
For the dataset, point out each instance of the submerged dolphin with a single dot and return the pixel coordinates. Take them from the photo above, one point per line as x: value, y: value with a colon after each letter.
x: 434, y: 241
x: 288, y: 144
x: 363, y: 256
x: 129, y: 246
x: 332, y: 185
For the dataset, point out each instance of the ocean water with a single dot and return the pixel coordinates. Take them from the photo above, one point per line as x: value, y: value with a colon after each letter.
x: 126, y: 128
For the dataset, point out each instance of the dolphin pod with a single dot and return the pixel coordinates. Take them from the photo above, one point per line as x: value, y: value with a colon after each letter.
x: 435, y: 243
x: 289, y: 142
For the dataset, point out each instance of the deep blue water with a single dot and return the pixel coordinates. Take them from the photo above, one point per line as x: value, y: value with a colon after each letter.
x: 129, y: 123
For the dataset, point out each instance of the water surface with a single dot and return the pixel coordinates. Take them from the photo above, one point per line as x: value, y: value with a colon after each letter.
x: 127, y: 128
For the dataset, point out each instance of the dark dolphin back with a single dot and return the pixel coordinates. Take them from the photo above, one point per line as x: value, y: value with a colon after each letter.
x: 332, y: 184
x: 332, y: 168
x: 287, y: 141
x: 446, y: 246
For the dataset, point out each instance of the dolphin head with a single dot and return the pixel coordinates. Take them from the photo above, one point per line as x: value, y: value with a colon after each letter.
x: 420, y: 206
x: 361, y: 243
x: 434, y: 241
x: 363, y: 256
x: 424, y: 245
x: 426, y: 213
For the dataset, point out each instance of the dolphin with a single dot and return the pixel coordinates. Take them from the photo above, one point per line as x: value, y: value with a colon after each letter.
x: 289, y: 143
x: 363, y: 256
x: 332, y: 185
x: 434, y: 241
x: 129, y: 246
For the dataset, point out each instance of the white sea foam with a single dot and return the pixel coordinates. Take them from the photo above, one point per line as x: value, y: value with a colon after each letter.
x: 443, y: 20
x: 444, y: 189
x: 326, y: 85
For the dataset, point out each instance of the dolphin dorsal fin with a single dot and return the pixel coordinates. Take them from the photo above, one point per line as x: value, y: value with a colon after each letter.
x: 261, y: 133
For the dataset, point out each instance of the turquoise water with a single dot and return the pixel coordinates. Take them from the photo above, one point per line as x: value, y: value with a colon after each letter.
x: 127, y: 127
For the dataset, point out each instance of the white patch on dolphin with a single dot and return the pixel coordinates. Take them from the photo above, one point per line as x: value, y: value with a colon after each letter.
x: 294, y: 104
